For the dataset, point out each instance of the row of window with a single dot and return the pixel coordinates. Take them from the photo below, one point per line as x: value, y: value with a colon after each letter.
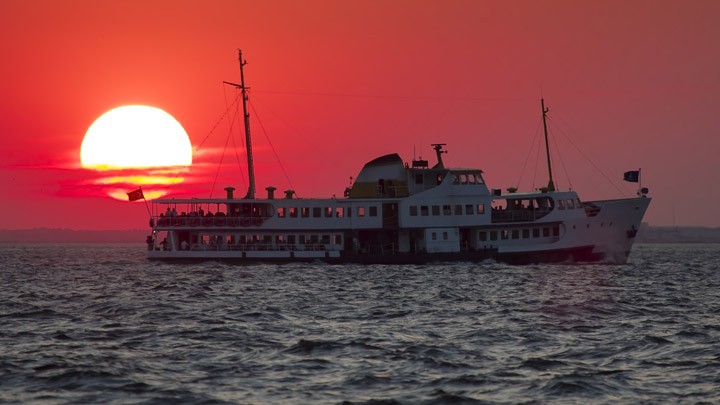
x: 447, y: 209
x: 322, y: 239
x: 524, y: 233
x: 569, y: 203
x: 327, y: 212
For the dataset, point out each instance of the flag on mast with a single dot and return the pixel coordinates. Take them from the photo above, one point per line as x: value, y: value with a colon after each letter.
x: 136, y: 195
x: 632, y: 176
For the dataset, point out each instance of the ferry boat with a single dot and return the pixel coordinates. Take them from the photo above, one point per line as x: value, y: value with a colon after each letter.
x: 397, y: 213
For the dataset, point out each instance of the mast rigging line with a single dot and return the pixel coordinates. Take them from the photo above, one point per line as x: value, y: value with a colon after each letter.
x: 587, y: 158
x: 252, y: 106
x: 398, y: 97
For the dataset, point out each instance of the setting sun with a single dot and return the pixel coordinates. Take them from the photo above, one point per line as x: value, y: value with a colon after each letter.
x: 135, y: 145
x: 135, y: 136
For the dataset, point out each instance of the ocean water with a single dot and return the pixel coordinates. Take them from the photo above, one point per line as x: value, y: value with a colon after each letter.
x: 100, y: 324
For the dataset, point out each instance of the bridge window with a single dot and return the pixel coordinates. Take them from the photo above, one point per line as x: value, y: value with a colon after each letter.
x: 536, y: 232
x: 293, y: 212
x: 482, y: 236
x: 447, y: 210
x: 413, y: 210
x: 480, y: 209
x: 493, y: 235
x: 561, y: 204
x: 361, y: 211
x: 281, y: 212
x: 305, y: 212
x: 373, y: 211
x: 435, y: 210
x: 445, y: 236
x: 316, y: 212
x: 339, y: 212
x: 469, y: 209
x: 526, y: 233
x: 516, y: 234
x: 337, y: 239
x: 458, y: 209
x: 328, y: 212
x: 424, y: 210
x: 546, y: 232
x: 570, y: 203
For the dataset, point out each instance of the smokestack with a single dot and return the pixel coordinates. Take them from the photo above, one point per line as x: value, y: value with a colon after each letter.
x: 289, y: 194
x: 271, y: 192
x: 229, y: 192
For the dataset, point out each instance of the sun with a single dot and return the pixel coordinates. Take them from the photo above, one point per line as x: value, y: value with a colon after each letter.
x: 135, y: 136
x: 136, y: 145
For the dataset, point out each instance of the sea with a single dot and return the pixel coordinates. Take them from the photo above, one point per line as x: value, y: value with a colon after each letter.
x: 99, y: 324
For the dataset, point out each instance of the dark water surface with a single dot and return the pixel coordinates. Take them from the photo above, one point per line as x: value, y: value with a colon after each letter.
x: 100, y: 324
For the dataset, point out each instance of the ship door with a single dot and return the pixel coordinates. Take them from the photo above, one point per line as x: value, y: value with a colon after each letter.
x: 390, y: 215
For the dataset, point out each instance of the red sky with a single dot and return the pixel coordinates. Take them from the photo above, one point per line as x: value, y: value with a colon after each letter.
x: 337, y: 83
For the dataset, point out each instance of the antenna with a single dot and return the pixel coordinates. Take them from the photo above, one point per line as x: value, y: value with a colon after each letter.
x: 251, y: 167
x: 551, y: 185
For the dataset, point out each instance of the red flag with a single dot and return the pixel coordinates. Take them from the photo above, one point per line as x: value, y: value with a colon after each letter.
x: 135, y: 195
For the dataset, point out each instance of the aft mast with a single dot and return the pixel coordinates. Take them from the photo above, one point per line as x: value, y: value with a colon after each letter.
x: 551, y: 185
x: 248, y: 144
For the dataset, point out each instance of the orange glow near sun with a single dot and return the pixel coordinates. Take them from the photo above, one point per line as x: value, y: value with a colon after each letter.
x: 130, y: 139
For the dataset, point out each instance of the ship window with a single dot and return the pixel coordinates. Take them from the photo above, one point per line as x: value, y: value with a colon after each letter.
x: 419, y: 178
x: 525, y: 233
x: 317, y: 212
x: 424, y: 210
x: 468, y: 209
x: 291, y: 239
x: 536, y: 233
x: 373, y: 211
x: 458, y: 209
x: 439, y: 178
x: 280, y: 239
x: 556, y: 230
x: 546, y: 232
x: 337, y: 239
x: 561, y: 204
x: 480, y: 209
x: 281, y: 212
x: 305, y: 212
x: 445, y: 236
x: 471, y: 178
x: 293, y: 212
x: 413, y: 210
x: 328, y: 212
x: 493, y: 235
x: 447, y: 210
x: 504, y: 234
x: 570, y: 203
x: 482, y: 236
x: 456, y: 180
x: 515, y: 234
x: 339, y: 212
x: 579, y: 203
x: 436, y: 210
x: 434, y: 236
x: 361, y: 211
x: 325, y: 239
x: 314, y: 239
x: 463, y: 179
